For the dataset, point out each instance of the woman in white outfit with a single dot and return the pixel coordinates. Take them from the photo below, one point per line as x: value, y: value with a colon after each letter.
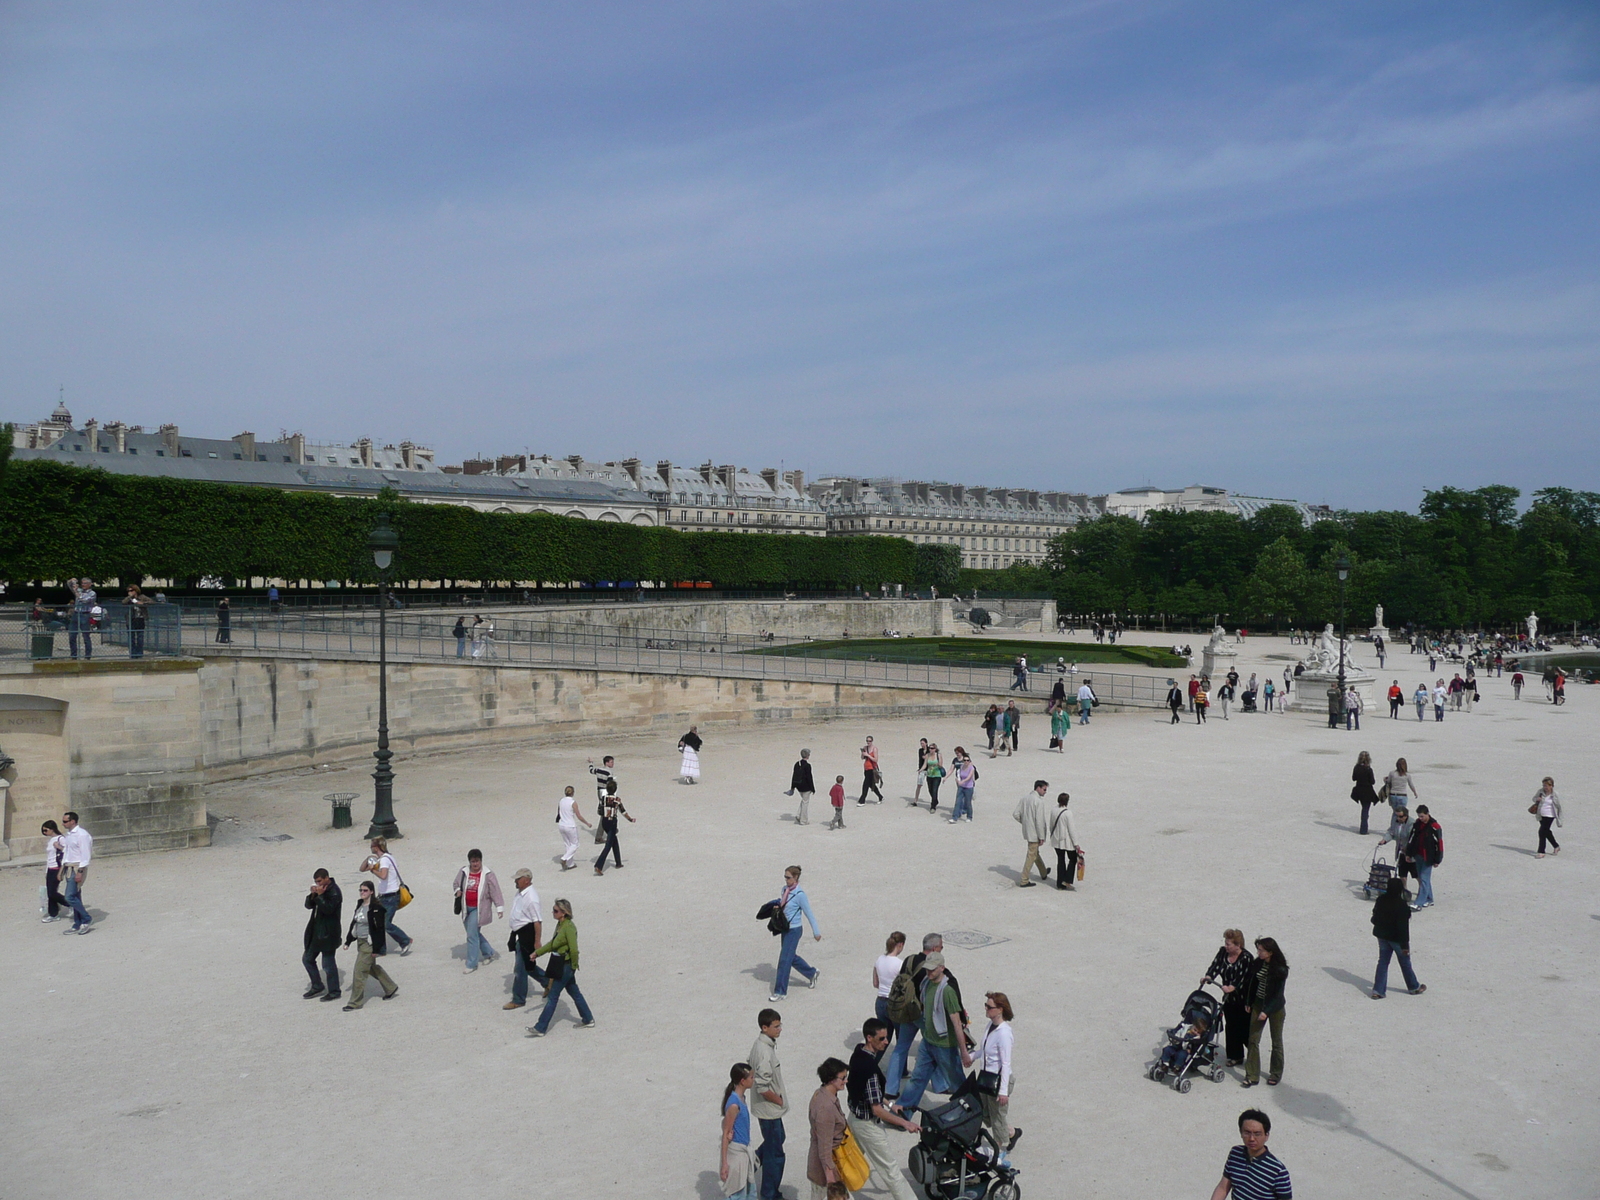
x: 994, y: 1065
x: 1064, y: 841
x: 690, y: 744
x: 567, y: 818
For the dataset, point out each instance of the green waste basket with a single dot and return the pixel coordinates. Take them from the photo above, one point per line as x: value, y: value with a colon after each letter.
x: 341, y: 808
x: 44, y: 646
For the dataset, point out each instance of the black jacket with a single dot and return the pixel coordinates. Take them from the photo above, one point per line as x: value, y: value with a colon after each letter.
x: 1427, y: 842
x: 1174, y: 697
x: 1277, y: 976
x: 1391, y: 919
x: 1364, y: 791
x: 800, y: 781
x: 376, y: 916
x: 322, y: 927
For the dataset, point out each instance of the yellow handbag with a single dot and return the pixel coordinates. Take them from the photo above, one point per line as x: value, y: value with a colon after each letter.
x: 405, y: 896
x: 851, y: 1164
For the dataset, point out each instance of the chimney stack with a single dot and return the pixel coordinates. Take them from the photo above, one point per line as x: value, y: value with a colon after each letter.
x: 365, y: 447
x: 169, y: 440
x: 797, y: 480
x: 247, y: 446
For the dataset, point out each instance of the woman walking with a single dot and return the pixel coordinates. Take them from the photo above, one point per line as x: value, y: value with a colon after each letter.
x: 1060, y: 725
x: 53, y: 900
x: 966, y: 773
x: 562, y: 970
x: 934, y: 768
x: 567, y: 818
x: 690, y: 743
x: 367, y: 933
x: 793, y: 903
x: 827, y: 1127
x: 1391, y: 925
x: 994, y: 1078
x: 1231, y: 970
x: 883, y: 973
x: 1547, y: 807
x: 991, y: 721
x: 382, y: 866
x: 1397, y: 783
x: 1363, y: 793
x: 1064, y: 840
x: 738, y: 1172
x: 1265, y: 987
x: 611, y: 810
x: 478, y: 899
x: 922, y: 769
x: 871, y: 777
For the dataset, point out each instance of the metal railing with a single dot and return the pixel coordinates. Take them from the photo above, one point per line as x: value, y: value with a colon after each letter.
x: 509, y: 642
x: 116, y: 634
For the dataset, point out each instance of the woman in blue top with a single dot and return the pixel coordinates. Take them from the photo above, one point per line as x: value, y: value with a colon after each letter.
x: 738, y: 1169
x: 793, y: 904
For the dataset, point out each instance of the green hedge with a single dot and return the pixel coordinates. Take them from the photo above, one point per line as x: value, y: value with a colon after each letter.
x: 58, y: 520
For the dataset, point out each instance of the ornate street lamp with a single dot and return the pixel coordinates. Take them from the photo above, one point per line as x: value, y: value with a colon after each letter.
x: 1342, y: 566
x: 383, y: 541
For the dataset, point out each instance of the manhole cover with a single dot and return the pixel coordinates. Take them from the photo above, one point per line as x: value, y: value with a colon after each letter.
x: 278, y: 837
x: 970, y: 939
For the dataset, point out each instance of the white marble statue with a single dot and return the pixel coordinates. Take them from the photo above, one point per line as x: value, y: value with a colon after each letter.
x: 1533, y: 627
x: 1378, y: 623
x: 1219, y: 640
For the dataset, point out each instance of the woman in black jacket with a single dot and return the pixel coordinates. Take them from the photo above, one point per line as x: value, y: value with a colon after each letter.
x: 1391, y: 925
x: 1265, y: 990
x: 367, y: 932
x: 1232, y: 970
x: 1364, y: 793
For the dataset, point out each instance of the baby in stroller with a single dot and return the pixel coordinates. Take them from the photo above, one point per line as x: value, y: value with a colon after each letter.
x: 1191, y: 1044
x: 956, y: 1157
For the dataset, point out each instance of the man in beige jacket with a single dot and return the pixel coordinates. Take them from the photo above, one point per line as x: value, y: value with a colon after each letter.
x: 1034, y: 816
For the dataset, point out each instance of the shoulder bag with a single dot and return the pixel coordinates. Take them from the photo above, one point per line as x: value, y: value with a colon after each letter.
x: 405, y: 892
x: 851, y: 1163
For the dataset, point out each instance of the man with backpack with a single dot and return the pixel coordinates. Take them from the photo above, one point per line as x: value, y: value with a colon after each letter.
x: 905, y: 1008
x: 1426, y: 851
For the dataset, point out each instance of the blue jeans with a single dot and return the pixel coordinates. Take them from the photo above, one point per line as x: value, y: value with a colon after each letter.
x: 963, y: 804
x: 1424, y: 883
x: 1083, y: 714
x: 904, y: 1035
x: 1386, y: 951
x: 330, y: 968
x: 80, y: 915
x: 519, y: 978
x: 461, y: 646
x: 568, y: 983
x: 938, y: 1067
x: 477, y: 944
x: 770, y: 1156
x: 787, y: 957
x: 391, y: 903
x: 75, y: 625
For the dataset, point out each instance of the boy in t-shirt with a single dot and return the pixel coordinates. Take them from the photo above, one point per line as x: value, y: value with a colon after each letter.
x: 836, y: 798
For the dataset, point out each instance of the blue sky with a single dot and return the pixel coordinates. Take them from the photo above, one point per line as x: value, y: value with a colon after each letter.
x: 1336, y: 252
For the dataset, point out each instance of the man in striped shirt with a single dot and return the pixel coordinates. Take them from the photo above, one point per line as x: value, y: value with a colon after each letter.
x: 1253, y: 1172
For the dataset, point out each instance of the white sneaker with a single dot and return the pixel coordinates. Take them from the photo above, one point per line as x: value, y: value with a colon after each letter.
x: 468, y: 970
x: 47, y: 920
x: 774, y: 999
x: 815, y: 975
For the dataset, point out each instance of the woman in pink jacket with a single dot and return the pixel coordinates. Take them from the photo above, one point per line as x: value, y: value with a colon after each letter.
x: 478, y: 901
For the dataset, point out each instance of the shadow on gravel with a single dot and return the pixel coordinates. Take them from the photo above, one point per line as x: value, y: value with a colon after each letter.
x: 1327, y: 1113
x: 710, y: 1185
x: 1361, y: 984
x: 1514, y: 849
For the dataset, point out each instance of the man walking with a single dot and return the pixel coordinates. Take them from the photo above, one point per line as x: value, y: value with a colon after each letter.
x: 1426, y: 850
x: 1014, y: 723
x: 870, y: 1112
x: 1252, y: 1172
x: 323, y: 930
x: 1391, y: 925
x: 1174, y: 700
x: 944, y: 1056
x: 1086, y: 702
x: 800, y: 781
x: 77, y: 847
x: 768, y: 1100
x: 603, y: 774
x: 1032, y: 814
x: 526, y: 927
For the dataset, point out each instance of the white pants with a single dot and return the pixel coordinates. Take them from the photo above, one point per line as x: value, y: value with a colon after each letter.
x: 569, y: 837
x: 873, y: 1139
x: 803, y: 817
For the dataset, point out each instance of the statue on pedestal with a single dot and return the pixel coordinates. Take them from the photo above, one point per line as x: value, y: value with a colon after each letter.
x: 1533, y: 627
x: 1378, y: 621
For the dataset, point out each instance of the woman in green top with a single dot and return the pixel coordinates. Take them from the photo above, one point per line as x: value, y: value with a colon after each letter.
x: 562, y: 969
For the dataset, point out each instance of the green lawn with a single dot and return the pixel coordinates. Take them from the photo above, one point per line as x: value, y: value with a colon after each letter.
x: 975, y: 652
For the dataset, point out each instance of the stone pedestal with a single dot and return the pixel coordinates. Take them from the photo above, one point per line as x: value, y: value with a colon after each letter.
x: 1217, y: 663
x: 1379, y: 631
x: 1311, y: 690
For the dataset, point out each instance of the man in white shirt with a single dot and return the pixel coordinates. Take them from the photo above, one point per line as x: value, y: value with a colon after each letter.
x: 76, y: 849
x: 526, y: 925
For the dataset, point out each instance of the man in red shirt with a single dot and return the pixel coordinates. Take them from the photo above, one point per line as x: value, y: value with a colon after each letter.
x: 1396, y: 698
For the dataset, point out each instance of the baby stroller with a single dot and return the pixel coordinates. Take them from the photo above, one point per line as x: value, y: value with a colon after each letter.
x: 1188, y: 1052
x: 1379, y: 872
x: 956, y: 1158
x: 1247, y: 701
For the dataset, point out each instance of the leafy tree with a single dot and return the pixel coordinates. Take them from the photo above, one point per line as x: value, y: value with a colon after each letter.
x: 1279, y: 585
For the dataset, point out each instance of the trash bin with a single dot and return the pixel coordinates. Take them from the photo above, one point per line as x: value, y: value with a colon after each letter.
x: 44, y: 645
x: 341, y: 808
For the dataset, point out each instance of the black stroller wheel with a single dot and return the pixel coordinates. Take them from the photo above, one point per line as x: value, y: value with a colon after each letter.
x: 1005, y: 1190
